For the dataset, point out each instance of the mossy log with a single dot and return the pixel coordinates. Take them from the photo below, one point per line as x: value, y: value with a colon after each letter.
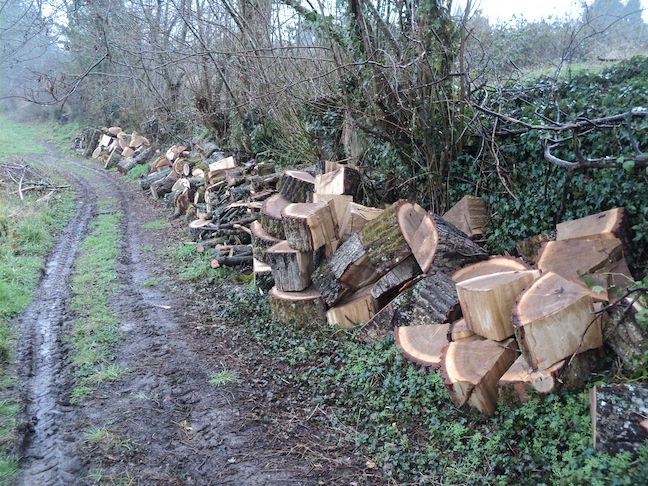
x: 291, y: 268
x: 145, y: 182
x: 471, y: 370
x: 345, y: 271
x: 304, y: 308
x: 261, y: 241
x: 125, y: 165
x: 296, y: 186
x: 270, y: 215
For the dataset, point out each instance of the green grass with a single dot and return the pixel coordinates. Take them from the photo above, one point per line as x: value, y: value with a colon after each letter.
x: 18, y: 138
x: 137, y: 172
x: 95, y: 330
x: 224, y: 377
x: 157, y: 224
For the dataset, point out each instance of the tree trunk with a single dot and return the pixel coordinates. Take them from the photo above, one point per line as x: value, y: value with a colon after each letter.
x: 296, y: 186
x: 125, y: 165
x: 147, y: 181
x: 291, y: 268
x: 304, y: 308
x: 270, y: 216
x: 309, y: 226
x: 494, y: 264
x: 422, y: 343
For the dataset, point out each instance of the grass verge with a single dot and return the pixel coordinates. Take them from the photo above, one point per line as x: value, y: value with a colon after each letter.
x: 95, y: 330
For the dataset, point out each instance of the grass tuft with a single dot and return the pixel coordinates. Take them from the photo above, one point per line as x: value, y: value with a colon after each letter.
x: 223, y: 378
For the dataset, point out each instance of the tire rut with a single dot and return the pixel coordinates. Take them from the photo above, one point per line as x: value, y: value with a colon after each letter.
x: 168, y: 425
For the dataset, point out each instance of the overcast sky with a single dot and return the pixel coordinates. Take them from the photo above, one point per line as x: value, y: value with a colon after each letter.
x: 502, y: 10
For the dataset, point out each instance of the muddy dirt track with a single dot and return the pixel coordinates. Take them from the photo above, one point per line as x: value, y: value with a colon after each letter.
x: 163, y: 422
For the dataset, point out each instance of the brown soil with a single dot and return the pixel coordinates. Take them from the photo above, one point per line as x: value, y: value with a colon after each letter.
x: 163, y: 422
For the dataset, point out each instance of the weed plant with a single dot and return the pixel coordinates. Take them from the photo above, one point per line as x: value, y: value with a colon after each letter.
x: 401, y: 420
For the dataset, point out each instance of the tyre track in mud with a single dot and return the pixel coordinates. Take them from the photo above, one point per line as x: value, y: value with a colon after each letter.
x: 166, y: 424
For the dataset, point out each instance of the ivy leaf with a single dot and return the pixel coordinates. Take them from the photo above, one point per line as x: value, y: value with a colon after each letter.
x: 628, y: 165
x: 597, y: 288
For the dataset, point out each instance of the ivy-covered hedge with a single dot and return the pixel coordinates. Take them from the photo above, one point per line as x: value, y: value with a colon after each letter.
x: 536, y: 184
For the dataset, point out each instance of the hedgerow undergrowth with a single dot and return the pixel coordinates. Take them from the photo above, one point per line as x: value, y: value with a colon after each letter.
x: 400, y: 419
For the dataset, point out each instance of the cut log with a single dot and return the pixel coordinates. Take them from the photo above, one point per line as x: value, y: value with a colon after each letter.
x: 291, y: 268
x: 105, y: 140
x: 553, y: 320
x: 96, y: 152
x: 494, y: 264
x: 577, y: 260
x: 360, y: 307
x: 469, y: 215
x: 163, y: 186
x: 618, y: 415
x: 355, y: 217
x: 145, y: 183
x: 296, y: 186
x: 422, y: 344
x: 486, y: 301
x: 459, y: 330
x: 625, y: 335
x: 344, y: 180
x: 227, y: 163
x: 384, y: 237
x: 431, y: 300
x: 393, y: 281
x: 338, y: 204
x: 439, y: 246
x: 91, y: 144
x: 347, y: 270
x: 270, y: 216
x: 519, y: 382
x: 471, y: 370
x: 125, y: 165
x: 173, y: 153
x: 305, y: 308
x: 261, y: 241
x: 308, y: 226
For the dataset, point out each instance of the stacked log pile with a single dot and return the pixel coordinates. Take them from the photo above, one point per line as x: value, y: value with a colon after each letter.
x: 494, y: 325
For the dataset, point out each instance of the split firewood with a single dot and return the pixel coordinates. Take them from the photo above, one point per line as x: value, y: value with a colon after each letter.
x: 224, y: 164
x: 137, y: 141
x: 469, y: 215
x: 181, y: 201
x: 520, y: 380
x: 261, y: 241
x: 345, y: 271
x: 270, y: 216
x: 494, y: 264
x: 304, y: 308
x: 145, y: 183
x: 125, y: 165
x: 422, y: 343
x: 390, y: 284
x: 471, y: 370
x: 344, y: 180
x: 174, y: 152
x: 431, y: 300
x: 553, y: 320
x: 327, y: 166
x: 486, y: 301
x: 160, y: 164
x: 613, y: 223
x: 308, y: 226
x: 296, y: 185
x: 338, y: 203
x: 577, y: 260
x: 359, y: 307
x: 618, y: 415
x: 355, y: 218
x: 105, y: 140
x: 291, y: 268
